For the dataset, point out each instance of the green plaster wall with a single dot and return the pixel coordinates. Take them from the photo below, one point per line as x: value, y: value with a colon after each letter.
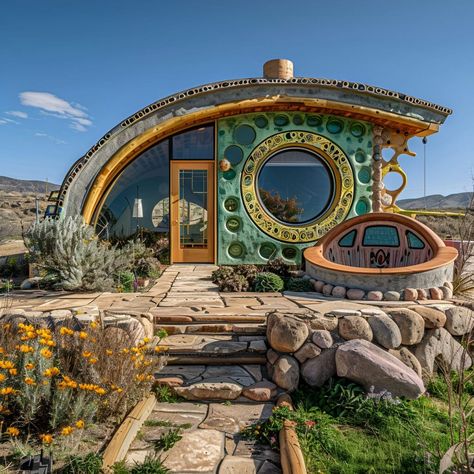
x: 246, y: 243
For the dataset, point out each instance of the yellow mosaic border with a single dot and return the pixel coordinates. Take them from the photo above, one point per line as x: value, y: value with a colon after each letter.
x: 334, y: 157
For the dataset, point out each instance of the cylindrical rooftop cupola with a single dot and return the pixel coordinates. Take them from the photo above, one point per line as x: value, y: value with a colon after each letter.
x: 278, y: 69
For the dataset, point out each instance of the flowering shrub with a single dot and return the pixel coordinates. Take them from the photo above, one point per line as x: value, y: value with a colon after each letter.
x: 54, y: 384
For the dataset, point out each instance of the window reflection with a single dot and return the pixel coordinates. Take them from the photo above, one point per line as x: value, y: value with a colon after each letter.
x: 295, y: 186
x: 146, y: 178
x: 196, y: 144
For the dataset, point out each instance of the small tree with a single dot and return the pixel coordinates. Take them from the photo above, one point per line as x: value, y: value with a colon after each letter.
x: 68, y: 250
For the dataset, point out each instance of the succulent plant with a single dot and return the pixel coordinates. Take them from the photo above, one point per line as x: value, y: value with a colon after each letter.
x: 267, y: 282
x: 234, y: 283
x: 278, y: 266
x: 299, y: 284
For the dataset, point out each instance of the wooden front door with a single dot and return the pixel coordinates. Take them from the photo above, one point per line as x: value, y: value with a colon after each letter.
x: 192, y: 211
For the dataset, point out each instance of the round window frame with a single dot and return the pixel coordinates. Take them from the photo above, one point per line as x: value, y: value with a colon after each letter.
x: 343, y: 186
x: 317, y: 157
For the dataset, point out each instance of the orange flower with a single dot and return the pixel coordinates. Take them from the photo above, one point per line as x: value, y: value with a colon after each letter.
x: 7, y: 391
x: 29, y: 381
x: 80, y: 424
x: 67, y: 430
x: 51, y: 372
x: 29, y: 366
x: 13, y: 372
x: 93, y: 360
x: 12, y: 431
x: 82, y: 335
x: 86, y: 354
x: 93, y: 325
x: 109, y: 352
x: 6, y: 364
x: 2, y: 350
x: 46, y: 353
x: 66, y: 331
x: 100, y: 391
x: 46, y: 438
x: 2, y: 377
x: 25, y: 348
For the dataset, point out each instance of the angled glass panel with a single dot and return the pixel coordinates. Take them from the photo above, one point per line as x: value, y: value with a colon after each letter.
x: 348, y: 239
x: 414, y: 242
x: 381, y: 236
x: 195, y: 144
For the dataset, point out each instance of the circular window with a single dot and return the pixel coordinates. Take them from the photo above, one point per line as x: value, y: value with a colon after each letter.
x: 295, y: 186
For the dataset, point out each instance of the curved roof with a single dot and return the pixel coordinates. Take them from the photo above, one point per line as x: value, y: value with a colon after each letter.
x: 322, y: 95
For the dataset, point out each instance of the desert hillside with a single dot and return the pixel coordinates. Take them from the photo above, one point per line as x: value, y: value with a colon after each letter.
x: 437, y: 201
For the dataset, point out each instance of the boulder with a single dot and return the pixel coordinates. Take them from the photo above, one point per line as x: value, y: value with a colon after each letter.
x: 286, y: 373
x: 317, y: 371
x: 436, y: 294
x: 322, y: 338
x: 260, y: 391
x: 422, y: 294
x: 328, y: 322
x: 385, y: 331
x: 410, y: 294
x: 375, y: 296
x: 327, y: 289
x: 410, y: 323
x: 130, y: 325
x: 307, y: 351
x: 434, y: 318
x: 272, y: 356
x: 459, y: 320
x: 340, y: 313
x: 286, y: 332
x: 355, y: 327
x: 371, y: 366
x: 449, y: 285
x: 30, y: 283
x: 391, y: 296
x: 318, y: 286
x: 355, y: 294
x: 447, y: 292
x: 339, y: 292
x: 439, y: 346
x: 408, y: 358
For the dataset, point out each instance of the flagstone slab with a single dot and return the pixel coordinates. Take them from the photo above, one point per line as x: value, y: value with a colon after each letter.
x: 255, y: 371
x: 187, y: 407
x: 235, y: 417
x: 186, y: 371
x: 255, y: 450
x: 176, y: 419
x: 219, y: 388
x: 239, y: 465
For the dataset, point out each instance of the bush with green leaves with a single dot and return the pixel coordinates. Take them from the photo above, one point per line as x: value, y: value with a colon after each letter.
x: 279, y: 267
x: 234, y: 283
x: 126, y: 281
x: 69, y: 249
x: 221, y: 274
x: 298, y: 284
x: 142, y: 260
x: 268, y: 282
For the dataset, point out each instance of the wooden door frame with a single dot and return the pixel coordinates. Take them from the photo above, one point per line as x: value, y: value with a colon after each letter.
x: 179, y: 255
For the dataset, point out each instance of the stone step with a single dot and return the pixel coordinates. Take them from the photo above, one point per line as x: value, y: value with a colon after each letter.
x: 215, y: 359
x: 213, y: 328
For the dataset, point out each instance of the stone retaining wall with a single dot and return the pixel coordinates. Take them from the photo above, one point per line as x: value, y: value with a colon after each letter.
x: 393, y: 348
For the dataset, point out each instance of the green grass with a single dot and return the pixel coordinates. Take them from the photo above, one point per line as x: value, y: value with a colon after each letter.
x: 342, y: 431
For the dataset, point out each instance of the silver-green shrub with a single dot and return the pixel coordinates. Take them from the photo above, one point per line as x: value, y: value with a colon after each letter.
x: 69, y: 249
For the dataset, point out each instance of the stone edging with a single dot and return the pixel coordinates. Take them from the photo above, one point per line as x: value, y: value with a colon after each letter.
x: 291, y: 456
x: 120, y: 443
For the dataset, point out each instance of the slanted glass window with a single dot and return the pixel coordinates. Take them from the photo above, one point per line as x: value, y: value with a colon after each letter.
x: 414, y: 242
x: 381, y: 236
x: 145, y: 180
x: 195, y: 144
x: 295, y: 186
x: 348, y: 240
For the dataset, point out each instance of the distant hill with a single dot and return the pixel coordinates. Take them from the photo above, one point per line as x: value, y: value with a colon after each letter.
x: 437, y: 201
x: 26, y: 186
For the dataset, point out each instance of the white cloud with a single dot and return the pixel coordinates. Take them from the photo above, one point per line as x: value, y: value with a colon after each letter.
x: 50, y: 137
x: 7, y: 120
x: 17, y: 113
x: 57, y: 107
x: 3, y: 122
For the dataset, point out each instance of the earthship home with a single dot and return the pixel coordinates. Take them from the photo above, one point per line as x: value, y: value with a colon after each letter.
x: 245, y: 170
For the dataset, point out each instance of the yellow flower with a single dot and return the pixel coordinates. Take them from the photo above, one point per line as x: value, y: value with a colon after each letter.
x: 80, y: 424
x: 93, y: 360
x: 12, y: 431
x: 29, y: 381
x: 100, y: 391
x: 146, y: 340
x: 29, y: 366
x: 2, y: 377
x: 6, y: 364
x: 13, y: 371
x: 7, y: 391
x: 46, y: 438
x: 67, y: 430
x: 66, y: 331
x: 86, y: 354
x: 25, y: 348
x: 51, y: 372
x: 2, y: 350
x: 93, y: 325
x: 109, y: 352
x: 46, y: 353
x: 82, y: 335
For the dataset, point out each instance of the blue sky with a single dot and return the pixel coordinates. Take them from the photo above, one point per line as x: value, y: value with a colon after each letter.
x: 101, y: 61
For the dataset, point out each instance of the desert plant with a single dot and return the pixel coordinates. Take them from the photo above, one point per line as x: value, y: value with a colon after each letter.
x: 234, y: 283
x: 91, y: 463
x: 69, y: 249
x: 267, y: 281
x: 141, y: 258
x: 298, y: 284
x: 278, y: 266
x: 168, y: 439
x: 222, y: 273
x: 247, y: 271
x: 126, y: 281
x: 55, y: 383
